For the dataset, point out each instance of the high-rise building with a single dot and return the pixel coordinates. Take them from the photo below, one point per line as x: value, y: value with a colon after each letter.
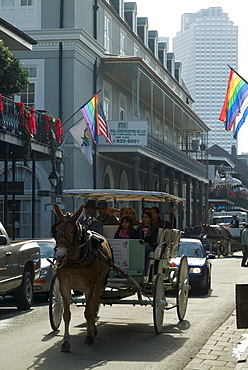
x: 206, y: 45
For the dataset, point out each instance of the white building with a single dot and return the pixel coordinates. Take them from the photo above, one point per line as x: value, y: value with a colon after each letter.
x: 206, y: 44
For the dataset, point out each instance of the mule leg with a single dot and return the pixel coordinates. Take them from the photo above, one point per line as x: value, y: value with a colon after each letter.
x: 217, y: 246
x: 91, y: 310
x: 67, y: 317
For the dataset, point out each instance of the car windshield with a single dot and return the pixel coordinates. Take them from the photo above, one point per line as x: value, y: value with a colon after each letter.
x: 46, y: 250
x: 190, y: 250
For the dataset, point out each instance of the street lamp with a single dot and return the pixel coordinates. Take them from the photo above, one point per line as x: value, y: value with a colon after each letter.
x: 54, y: 178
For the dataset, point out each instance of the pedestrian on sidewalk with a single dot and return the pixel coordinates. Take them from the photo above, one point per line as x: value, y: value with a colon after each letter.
x: 244, y: 242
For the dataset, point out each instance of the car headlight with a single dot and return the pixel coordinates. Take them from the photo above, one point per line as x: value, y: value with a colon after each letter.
x: 43, y: 272
x: 195, y: 270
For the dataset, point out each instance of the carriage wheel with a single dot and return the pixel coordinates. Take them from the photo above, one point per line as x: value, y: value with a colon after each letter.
x: 182, y: 287
x: 56, y: 306
x: 158, y: 304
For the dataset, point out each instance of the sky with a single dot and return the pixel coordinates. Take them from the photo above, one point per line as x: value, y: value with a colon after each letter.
x: 165, y: 17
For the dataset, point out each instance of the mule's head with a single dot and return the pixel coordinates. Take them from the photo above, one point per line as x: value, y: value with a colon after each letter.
x: 67, y: 232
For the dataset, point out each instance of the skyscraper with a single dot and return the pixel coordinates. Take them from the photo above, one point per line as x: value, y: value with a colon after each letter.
x: 206, y: 44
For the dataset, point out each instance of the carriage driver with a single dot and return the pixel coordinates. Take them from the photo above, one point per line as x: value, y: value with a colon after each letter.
x: 234, y: 222
x: 89, y: 220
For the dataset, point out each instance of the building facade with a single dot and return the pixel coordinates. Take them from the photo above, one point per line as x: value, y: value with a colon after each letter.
x: 87, y: 46
x: 206, y: 44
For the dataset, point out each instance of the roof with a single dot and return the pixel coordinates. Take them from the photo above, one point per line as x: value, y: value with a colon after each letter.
x: 240, y: 168
x: 14, y: 38
x: 124, y: 195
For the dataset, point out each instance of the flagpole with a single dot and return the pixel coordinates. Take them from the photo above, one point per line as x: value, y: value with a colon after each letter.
x: 237, y: 73
x: 78, y: 110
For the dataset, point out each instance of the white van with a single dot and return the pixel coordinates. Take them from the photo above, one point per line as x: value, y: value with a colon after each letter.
x: 224, y: 218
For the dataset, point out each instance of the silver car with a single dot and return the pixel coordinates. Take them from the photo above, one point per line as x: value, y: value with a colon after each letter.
x: 42, y: 285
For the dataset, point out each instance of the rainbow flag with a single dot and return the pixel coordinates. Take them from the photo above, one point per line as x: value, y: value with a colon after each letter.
x: 237, y: 92
x: 90, y: 114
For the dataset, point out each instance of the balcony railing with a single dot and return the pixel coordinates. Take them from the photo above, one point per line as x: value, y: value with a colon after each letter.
x: 10, y: 122
x: 177, y: 156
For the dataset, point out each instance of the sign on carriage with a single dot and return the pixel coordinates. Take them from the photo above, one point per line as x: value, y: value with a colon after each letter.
x: 127, y: 133
x: 121, y: 252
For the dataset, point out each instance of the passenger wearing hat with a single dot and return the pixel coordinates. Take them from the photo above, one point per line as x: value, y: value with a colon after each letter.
x: 234, y: 222
x: 244, y: 243
x: 104, y: 217
x: 89, y: 220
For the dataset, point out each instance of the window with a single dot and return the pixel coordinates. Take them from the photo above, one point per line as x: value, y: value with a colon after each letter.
x: 28, y: 95
x: 8, y: 3
x: 122, y: 43
x: 27, y: 2
x: 148, y: 119
x: 107, y: 34
x: 33, y: 95
x: 106, y: 100
x: 123, y: 107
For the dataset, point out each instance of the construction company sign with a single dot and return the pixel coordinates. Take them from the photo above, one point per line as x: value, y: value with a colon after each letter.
x: 127, y: 133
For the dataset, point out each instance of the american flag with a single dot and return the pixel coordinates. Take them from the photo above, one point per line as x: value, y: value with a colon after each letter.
x: 103, y: 128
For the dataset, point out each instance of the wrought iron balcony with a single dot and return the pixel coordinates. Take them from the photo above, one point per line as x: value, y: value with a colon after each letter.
x: 10, y: 122
x: 177, y: 156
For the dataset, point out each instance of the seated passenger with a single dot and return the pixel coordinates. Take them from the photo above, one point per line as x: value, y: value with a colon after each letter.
x: 157, y: 220
x: 104, y: 217
x: 148, y: 233
x: 122, y: 212
x: 126, y: 229
x: 89, y: 220
x: 130, y: 211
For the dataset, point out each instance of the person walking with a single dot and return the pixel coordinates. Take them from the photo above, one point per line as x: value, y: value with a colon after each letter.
x: 244, y: 243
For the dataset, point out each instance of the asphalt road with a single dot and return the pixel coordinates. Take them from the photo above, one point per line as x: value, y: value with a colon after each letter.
x: 126, y: 336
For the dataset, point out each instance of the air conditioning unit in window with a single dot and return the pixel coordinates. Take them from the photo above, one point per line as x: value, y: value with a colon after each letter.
x: 159, y: 135
x: 195, y: 145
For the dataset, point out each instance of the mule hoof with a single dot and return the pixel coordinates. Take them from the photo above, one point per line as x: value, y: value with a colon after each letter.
x: 65, y: 347
x: 89, y: 340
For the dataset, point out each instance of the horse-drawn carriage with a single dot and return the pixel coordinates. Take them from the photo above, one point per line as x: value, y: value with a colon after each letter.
x: 222, y: 240
x: 117, y: 280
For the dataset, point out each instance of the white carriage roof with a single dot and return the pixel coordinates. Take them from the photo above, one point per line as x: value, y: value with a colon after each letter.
x: 124, y: 195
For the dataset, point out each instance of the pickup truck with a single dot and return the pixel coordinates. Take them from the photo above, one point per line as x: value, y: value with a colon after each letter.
x: 19, y: 268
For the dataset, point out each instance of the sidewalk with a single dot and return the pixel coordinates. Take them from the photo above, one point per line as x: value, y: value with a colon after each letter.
x: 217, y: 353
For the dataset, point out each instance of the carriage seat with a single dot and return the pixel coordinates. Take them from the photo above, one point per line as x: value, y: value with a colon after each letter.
x: 168, y: 241
x: 109, y: 231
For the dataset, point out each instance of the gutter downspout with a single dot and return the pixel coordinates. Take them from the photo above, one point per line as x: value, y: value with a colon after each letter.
x: 95, y: 156
x: 61, y: 25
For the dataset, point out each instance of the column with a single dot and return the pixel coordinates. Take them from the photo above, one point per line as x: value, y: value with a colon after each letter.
x: 150, y: 166
x: 180, y: 178
x: 135, y: 92
x: 201, y: 213
x: 194, y: 214
x: 206, y: 214
x: 171, y: 173
x: 136, y: 162
x: 188, y: 201
x: 161, y: 173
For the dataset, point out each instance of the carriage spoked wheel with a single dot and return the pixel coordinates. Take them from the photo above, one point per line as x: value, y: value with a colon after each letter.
x: 182, y: 287
x: 56, y: 306
x: 159, y: 303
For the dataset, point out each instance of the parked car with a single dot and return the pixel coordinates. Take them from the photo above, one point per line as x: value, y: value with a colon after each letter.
x: 19, y: 268
x: 198, y: 261
x: 42, y: 285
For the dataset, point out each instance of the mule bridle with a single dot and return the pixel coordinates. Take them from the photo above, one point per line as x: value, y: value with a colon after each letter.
x: 71, y: 246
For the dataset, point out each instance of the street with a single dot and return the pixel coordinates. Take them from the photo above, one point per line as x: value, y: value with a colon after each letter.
x: 126, y: 336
